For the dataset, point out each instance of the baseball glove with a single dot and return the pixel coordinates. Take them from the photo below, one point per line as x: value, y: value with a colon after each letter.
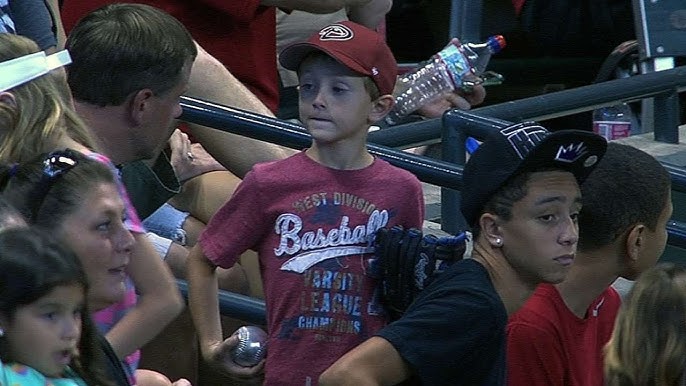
x: 408, y: 261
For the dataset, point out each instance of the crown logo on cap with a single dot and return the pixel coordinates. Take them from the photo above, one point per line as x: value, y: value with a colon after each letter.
x: 571, y: 152
x: 336, y: 32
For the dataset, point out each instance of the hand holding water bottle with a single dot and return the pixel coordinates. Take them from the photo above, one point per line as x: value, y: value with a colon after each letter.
x: 459, y: 66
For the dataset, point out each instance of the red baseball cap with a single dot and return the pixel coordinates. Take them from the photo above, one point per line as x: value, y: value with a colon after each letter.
x: 357, y: 47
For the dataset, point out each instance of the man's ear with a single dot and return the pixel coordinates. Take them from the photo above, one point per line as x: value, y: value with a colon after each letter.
x: 139, y: 104
x: 8, y: 98
x: 381, y: 107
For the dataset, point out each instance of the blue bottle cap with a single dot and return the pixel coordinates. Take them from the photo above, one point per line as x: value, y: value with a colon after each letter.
x: 471, y: 145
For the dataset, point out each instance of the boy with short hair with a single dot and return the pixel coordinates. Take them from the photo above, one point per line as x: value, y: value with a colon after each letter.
x: 312, y: 217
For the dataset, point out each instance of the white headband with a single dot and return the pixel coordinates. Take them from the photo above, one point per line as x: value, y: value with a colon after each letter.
x: 28, y: 67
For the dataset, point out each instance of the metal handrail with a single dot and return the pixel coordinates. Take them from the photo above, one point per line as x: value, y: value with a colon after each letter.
x: 291, y: 135
x: 245, y: 308
x: 545, y: 106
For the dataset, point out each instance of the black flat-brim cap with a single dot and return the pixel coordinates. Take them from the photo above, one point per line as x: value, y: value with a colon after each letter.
x: 521, y: 148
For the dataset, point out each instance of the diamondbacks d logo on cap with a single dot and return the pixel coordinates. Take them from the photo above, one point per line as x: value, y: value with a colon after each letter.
x: 336, y: 32
x: 524, y: 137
x: 571, y: 153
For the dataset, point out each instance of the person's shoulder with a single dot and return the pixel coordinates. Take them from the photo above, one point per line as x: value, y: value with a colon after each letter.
x: 467, y: 268
x: 394, y: 172
x: 610, y: 300
x: 277, y: 166
x: 541, y: 308
x: 467, y: 277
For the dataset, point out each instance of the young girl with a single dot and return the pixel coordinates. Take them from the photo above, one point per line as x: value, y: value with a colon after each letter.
x: 648, y: 345
x: 46, y: 335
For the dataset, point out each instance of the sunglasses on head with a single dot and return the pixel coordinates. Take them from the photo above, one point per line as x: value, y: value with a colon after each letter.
x: 55, y: 165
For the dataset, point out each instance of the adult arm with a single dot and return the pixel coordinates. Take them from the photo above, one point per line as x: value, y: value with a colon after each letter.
x: 210, y: 80
x: 159, y: 300
x: 374, y: 362
x: 533, y: 356
x: 370, y: 14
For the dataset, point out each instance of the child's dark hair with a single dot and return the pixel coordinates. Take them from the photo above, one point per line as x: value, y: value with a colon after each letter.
x: 32, y: 264
x: 45, y: 200
x: 628, y: 187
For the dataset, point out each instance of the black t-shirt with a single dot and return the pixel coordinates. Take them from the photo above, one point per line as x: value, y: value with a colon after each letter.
x: 454, y: 333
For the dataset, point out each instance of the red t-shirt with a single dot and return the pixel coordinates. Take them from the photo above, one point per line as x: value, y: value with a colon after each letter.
x: 240, y: 34
x: 312, y: 227
x: 548, y: 345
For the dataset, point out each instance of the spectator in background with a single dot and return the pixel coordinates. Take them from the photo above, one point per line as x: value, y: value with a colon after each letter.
x: 648, y: 345
x: 557, y: 337
x: 35, y: 20
x: 210, y: 79
x: 6, y: 22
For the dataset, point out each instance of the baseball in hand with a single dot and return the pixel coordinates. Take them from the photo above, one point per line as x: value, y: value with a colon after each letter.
x: 251, y: 347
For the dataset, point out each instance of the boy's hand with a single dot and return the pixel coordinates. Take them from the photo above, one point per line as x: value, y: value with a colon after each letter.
x: 219, y: 357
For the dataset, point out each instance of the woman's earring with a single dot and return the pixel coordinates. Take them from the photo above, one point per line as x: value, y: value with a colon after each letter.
x: 498, y: 242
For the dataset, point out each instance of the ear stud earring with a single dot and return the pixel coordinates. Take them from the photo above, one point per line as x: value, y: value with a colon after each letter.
x: 498, y: 242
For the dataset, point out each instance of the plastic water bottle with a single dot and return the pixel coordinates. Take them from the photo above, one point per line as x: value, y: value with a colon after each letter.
x: 457, y: 66
x: 613, y: 122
